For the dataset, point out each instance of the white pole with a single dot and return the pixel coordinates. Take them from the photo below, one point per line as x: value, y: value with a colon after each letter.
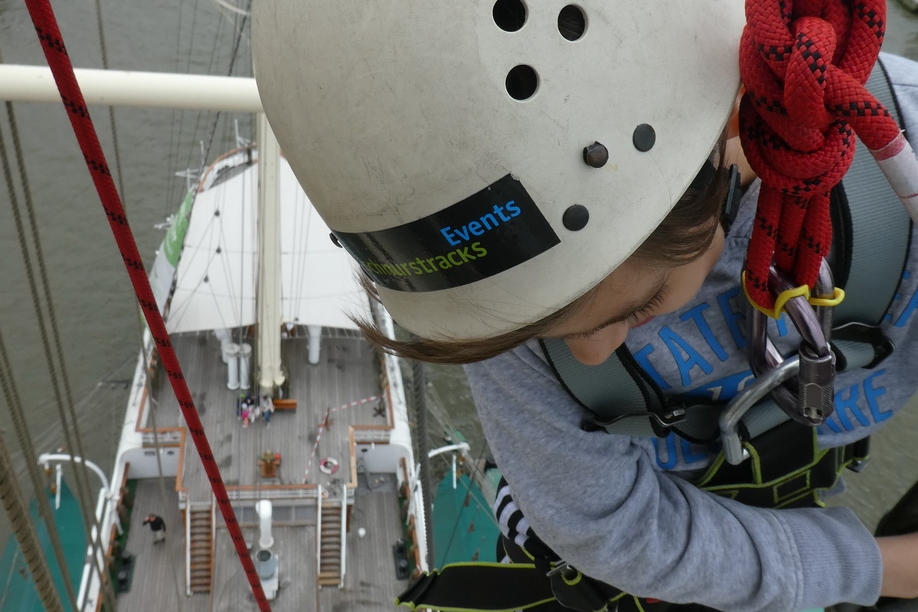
x: 270, y: 372
x: 230, y: 356
x: 131, y: 88
x: 315, y: 343
x: 245, y: 364
x: 264, y: 510
x: 57, y: 494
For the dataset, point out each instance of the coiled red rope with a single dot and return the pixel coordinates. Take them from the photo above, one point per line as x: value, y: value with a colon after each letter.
x: 804, y: 64
x: 56, y: 54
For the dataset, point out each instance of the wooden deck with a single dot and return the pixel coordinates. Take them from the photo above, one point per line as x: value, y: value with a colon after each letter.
x: 347, y: 373
x: 336, y: 403
x: 370, y: 583
x: 158, y: 568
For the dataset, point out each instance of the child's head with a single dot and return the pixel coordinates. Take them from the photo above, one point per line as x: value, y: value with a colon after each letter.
x: 490, y: 163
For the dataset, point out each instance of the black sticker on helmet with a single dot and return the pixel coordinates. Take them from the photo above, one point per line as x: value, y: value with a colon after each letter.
x: 489, y: 232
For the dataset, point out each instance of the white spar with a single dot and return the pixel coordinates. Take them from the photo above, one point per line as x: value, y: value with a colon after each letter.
x: 133, y: 88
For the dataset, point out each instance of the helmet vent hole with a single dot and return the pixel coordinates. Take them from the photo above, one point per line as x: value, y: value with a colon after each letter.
x: 522, y: 82
x: 571, y: 22
x: 509, y: 15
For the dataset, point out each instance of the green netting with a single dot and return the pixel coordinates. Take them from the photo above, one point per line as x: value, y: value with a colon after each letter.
x: 17, y: 591
x: 464, y: 528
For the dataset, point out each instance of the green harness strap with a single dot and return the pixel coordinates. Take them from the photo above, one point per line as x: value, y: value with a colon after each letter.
x: 872, y: 236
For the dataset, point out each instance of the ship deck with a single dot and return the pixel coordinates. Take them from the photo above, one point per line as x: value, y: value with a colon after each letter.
x: 337, y: 402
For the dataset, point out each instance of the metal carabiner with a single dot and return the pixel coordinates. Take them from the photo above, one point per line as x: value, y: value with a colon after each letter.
x: 812, y: 401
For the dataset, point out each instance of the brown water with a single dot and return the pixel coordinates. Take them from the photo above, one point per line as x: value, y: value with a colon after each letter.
x: 97, y: 316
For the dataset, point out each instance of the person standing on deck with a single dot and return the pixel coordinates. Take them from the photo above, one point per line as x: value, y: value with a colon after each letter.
x: 157, y: 526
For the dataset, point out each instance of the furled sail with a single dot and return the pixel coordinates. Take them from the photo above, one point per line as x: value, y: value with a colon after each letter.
x: 216, y: 272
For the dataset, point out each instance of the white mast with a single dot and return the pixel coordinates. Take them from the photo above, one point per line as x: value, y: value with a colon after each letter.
x: 270, y: 373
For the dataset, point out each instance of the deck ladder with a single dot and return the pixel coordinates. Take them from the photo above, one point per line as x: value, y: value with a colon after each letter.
x: 331, y: 525
x: 199, y: 547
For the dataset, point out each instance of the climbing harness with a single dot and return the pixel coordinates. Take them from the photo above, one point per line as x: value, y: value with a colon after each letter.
x: 56, y: 55
x: 755, y: 467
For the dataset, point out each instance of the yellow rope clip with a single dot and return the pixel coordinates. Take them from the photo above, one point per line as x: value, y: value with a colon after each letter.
x: 837, y: 296
x: 803, y: 290
x: 780, y: 299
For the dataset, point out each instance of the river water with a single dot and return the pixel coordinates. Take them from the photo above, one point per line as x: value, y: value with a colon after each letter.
x: 94, y: 306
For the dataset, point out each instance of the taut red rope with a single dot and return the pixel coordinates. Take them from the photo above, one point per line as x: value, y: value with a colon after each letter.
x: 804, y: 64
x: 55, y: 52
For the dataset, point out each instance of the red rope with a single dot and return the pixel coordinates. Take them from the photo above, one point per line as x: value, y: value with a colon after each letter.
x: 53, y: 45
x: 804, y: 64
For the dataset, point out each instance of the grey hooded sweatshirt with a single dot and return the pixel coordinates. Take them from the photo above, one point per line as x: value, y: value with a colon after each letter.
x: 623, y: 509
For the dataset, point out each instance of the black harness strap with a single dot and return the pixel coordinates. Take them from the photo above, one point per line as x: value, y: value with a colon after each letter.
x: 480, y: 586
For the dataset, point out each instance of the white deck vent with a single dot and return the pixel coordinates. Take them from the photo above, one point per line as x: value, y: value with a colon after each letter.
x: 231, y: 357
x: 264, y: 510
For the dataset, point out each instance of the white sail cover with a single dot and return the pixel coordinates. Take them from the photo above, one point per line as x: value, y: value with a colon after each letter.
x: 217, y: 269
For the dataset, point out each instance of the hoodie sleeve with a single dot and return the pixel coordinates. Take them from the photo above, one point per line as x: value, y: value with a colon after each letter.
x: 599, y: 502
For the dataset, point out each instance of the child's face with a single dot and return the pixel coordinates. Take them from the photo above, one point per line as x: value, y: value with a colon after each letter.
x: 629, y: 297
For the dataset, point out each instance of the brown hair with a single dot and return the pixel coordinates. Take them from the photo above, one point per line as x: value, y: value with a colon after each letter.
x: 679, y: 239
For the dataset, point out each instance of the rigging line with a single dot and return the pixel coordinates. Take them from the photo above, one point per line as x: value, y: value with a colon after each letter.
x: 111, y: 119
x: 63, y: 400
x: 190, y: 54
x: 163, y: 495
x: 445, y: 422
x: 18, y: 513
x: 237, y: 303
x: 174, y: 122
x: 472, y: 469
x: 53, y: 46
x: 452, y: 535
x: 111, y: 109
x: 177, y: 314
x: 213, y: 229
x: 229, y: 72
x: 11, y: 394
x: 230, y: 7
x: 419, y: 383
x: 302, y: 239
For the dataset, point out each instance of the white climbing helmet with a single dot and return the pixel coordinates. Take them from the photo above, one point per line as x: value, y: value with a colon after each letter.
x: 485, y: 167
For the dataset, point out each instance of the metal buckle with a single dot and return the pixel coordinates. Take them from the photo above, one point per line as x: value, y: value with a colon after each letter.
x: 560, y: 568
x: 738, y: 407
x: 581, y: 595
x: 660, y: 423
x: 867, y: 334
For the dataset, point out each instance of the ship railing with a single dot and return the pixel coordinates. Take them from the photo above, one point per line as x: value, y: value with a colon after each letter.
x: 106, y: 517
x: 343, y: 533
x: 256, y: 494
x: 318, y: 528
x: 367, y: 436
x: 165, y: 437
x: 188, y: 550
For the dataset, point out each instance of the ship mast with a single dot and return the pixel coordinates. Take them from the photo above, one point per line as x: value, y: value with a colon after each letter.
x: 269, y: 371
